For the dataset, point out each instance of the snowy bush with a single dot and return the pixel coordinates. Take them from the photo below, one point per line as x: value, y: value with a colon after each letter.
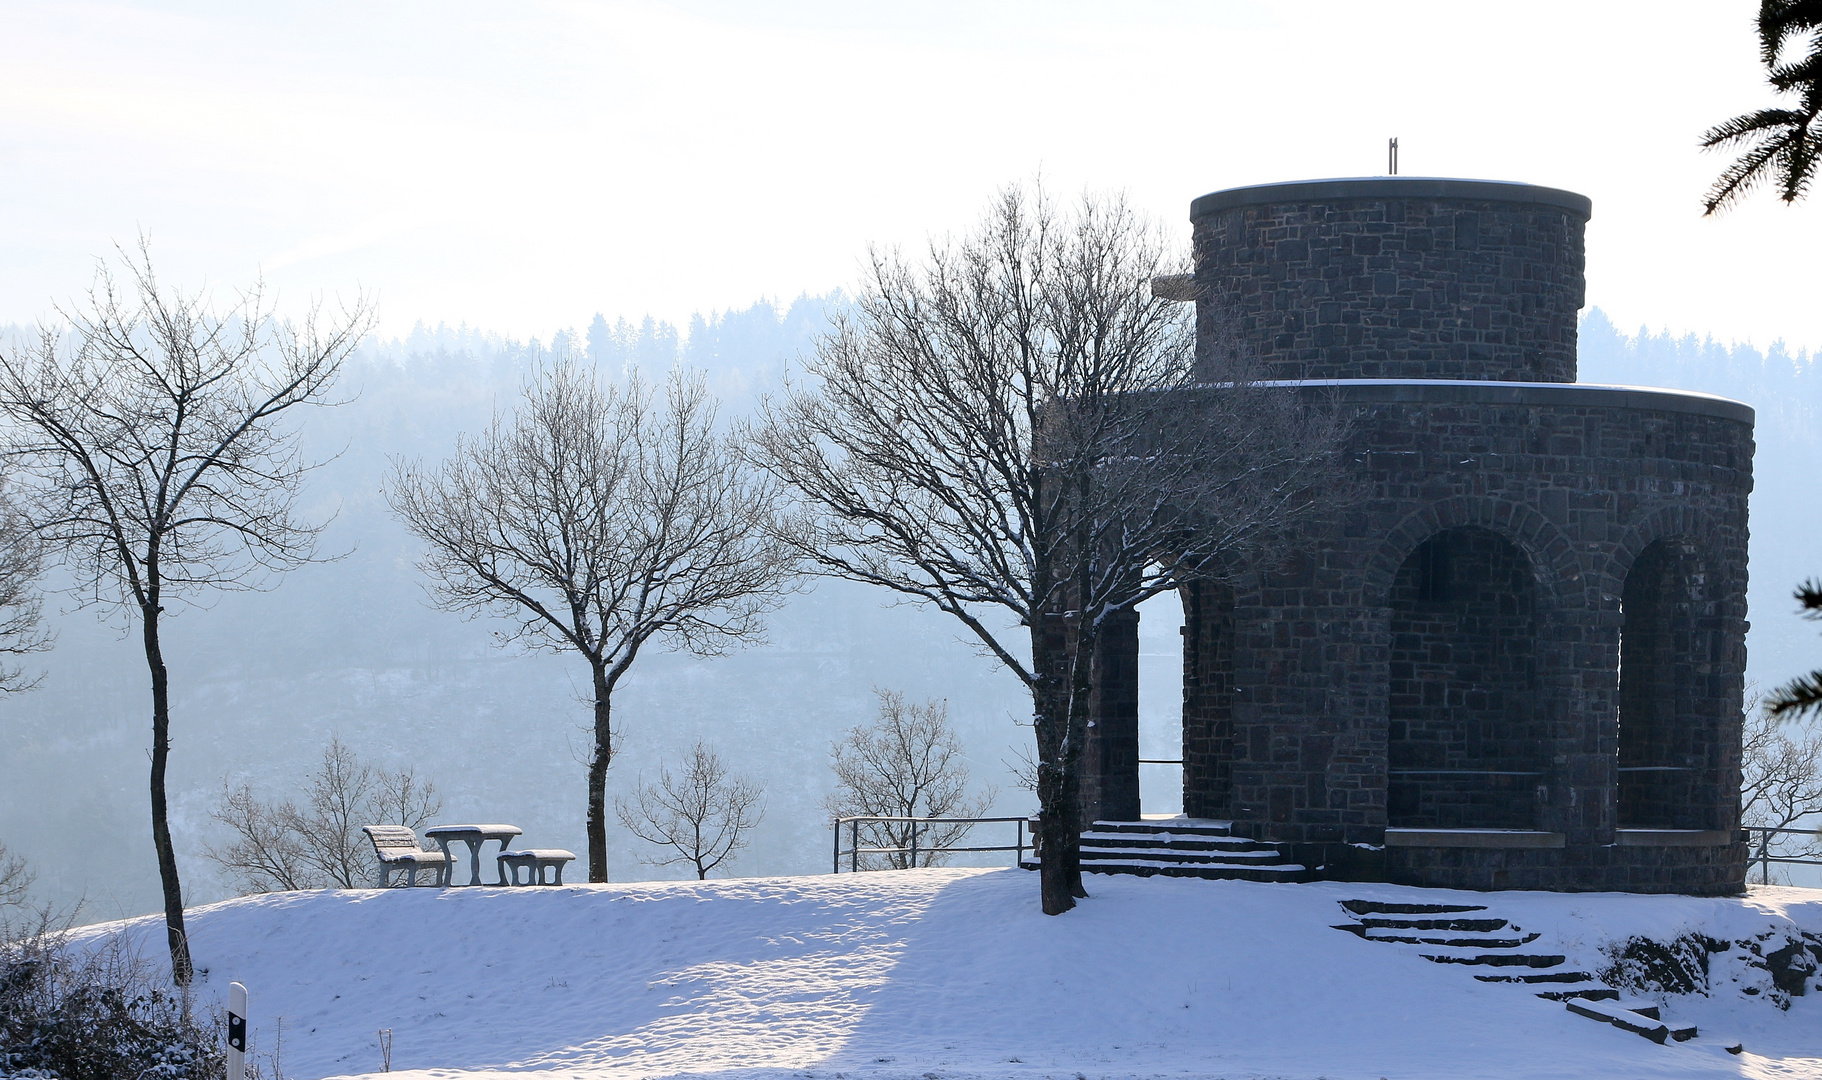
x: 1775, y: 965
x: 96, y: 1013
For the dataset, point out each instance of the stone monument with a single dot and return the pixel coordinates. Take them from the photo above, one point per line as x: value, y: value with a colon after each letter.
x: 1518, y: 662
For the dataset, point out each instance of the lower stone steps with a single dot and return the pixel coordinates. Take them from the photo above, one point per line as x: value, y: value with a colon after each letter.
x: 1456, y: 934
x: 1640, y: 1019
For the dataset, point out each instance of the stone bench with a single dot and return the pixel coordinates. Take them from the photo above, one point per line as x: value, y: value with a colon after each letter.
x: 396, y: 847
x: 533, y: 860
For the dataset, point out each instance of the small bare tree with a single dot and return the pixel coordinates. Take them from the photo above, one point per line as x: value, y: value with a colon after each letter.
x: 279, y: 845
x: 21, y: 605
x: 703, y: 815
x: 1017, y: 432
x: 163, y: 464
x: 15, y: 880
x: 266, y: 853
x: 599, y: 521
x: 1781, y: 783
x: 906, y: 763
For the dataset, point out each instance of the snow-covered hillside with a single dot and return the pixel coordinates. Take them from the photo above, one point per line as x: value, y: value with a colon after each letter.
x: 953, y: 973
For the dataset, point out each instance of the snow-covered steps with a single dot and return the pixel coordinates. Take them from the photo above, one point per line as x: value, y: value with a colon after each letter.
x: 1459, y: 934
x: 1640, y: 1018
x: 1181, y: 847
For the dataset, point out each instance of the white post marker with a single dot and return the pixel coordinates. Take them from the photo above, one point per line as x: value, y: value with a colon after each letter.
x: 237, y: 1032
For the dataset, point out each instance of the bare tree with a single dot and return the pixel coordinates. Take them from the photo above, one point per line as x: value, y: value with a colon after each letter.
x: 21, y: 605
x: 702, y: 814
x: 266, y: 854
x: 164, y: 467
x: 1781, y: 781
x: 599, y: 521
x: 279, y: 845
x: 1011, y: 433
x: 15, y: 880
x: 906, y: 763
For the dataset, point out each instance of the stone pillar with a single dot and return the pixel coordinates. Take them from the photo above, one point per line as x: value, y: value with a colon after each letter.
x: 1110, y: 778
x: 1208, y: 699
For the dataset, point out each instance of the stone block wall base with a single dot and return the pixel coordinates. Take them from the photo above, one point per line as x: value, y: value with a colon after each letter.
x: 1715, y: 870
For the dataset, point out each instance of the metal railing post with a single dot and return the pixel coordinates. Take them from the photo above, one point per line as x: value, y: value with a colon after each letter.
x: 913, y: 865
x: 837, y: 867
x: 854, y: 851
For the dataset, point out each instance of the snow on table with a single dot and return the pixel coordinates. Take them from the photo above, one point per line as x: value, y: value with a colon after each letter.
x: 952, y: 973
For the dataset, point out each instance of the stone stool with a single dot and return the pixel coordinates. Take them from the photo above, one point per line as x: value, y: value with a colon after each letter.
x: 533, y: 860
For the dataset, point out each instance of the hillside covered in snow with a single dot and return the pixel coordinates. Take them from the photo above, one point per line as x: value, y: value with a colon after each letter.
x: 940, y: 974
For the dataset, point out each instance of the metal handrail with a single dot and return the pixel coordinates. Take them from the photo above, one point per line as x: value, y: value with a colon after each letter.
x: 1765, y: 858
x: 854, y: 851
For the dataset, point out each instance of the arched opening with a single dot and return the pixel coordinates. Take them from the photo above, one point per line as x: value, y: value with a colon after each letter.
x: 1161, y: 704
x: 1669, y: 691
x: 1208, y: 699
x: 1465, y: 746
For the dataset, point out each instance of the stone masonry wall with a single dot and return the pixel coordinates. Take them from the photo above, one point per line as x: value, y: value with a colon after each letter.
x: 1579, y: 492
x: 1208, y: 698
x: 1385, y: 287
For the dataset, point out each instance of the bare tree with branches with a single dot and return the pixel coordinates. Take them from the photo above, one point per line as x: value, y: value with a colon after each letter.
x: 1011, y: 432
x: 906, y: 763
x: 16, y: 880
x: 21, y: 605
x: 600, y: 520
x: 1781, y: 781
x: 265, y: 854
x: 279, y: 845
x: 703, y: 815
x: 164, y: 468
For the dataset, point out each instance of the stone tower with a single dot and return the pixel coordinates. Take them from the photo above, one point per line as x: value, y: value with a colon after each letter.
x: 1519, y: 662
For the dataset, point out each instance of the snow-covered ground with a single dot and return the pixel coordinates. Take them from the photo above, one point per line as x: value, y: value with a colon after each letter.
x: 948, y: 974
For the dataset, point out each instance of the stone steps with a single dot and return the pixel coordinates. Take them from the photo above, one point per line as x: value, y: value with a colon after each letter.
x: 1640, y: 1019
x: 1176, y: 826
x: 1174, y: 854
x: 1486, y: 941
x: 1181, y: 847
x: 1175, y: 842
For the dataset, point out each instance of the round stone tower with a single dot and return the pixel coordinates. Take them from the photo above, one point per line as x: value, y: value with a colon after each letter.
x: 1394, y: 278
x: 1518, y: 660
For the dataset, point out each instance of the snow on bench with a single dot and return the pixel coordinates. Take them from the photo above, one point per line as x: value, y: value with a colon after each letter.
x: 397, y: 848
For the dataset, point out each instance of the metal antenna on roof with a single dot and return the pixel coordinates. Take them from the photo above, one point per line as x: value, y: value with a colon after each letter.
x: 1391, y: 157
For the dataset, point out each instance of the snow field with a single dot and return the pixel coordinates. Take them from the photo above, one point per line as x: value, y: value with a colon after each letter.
x: 955, y: 974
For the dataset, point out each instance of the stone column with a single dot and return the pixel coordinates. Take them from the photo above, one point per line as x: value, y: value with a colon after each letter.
x: 1110, y: 778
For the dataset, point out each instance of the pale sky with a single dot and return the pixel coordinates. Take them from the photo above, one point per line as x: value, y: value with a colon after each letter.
x: 520, y: 166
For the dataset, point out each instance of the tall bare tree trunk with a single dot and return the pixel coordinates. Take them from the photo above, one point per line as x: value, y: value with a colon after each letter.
x: 1059, y: 833
x: 1076, y: 745
x: 161, y: 820
x: 597, y: 774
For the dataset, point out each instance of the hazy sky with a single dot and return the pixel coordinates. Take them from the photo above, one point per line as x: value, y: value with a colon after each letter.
x: 523, y: 165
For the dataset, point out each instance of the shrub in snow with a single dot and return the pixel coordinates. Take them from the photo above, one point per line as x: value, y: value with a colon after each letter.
x: 1653, y: 967
x: 96, y: 1013
x: 1775, y: 966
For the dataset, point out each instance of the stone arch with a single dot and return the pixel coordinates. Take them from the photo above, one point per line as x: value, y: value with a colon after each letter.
x: 1670, y: 521
x: 1678, y: 706
x: 1468, y: 743
x: 1549, y: 550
